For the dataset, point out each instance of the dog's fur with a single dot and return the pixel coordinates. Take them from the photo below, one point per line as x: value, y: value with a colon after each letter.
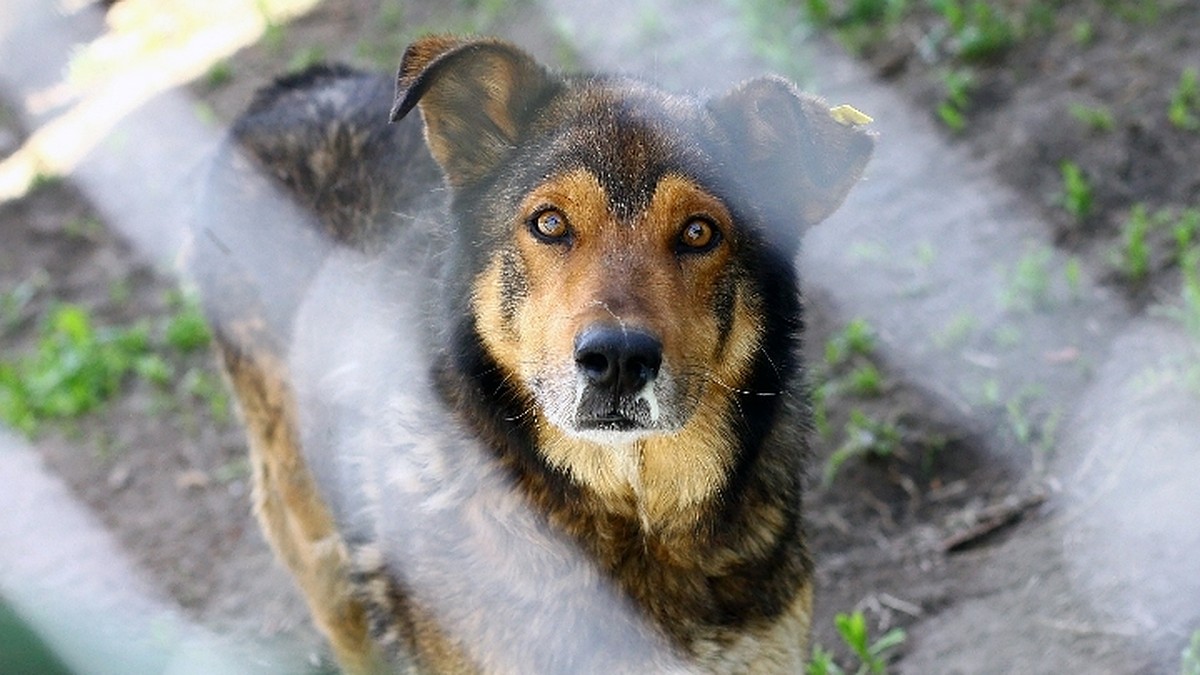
x: 603, y: 408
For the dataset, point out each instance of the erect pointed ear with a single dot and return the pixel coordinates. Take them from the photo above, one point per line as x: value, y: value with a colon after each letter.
x: 476, y: 96
x: 798, y: 158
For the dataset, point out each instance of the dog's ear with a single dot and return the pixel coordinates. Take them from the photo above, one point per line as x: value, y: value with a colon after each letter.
x: 475, y: 95
x: 797, y: 158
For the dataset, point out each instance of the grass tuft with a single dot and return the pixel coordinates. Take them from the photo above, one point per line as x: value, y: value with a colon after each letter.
x: 1077, y: 191
x: 77, y: 366
x: 1190, y: 659
x: 871, y: 655
x: 1184, y: 109
x: 1098, y: 119
x: 74, y: 370
x: 865, y: 436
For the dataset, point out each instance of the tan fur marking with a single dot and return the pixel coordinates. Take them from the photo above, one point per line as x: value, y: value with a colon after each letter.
x: 289, y: 507
x: 780, y: 646
x: 629, y: 273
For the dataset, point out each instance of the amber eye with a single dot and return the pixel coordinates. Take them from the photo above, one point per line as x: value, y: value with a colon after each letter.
x: 550, y: 225
x: 698, y: 236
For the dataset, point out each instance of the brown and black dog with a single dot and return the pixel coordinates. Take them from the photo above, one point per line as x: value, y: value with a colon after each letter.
x: 523, y: 383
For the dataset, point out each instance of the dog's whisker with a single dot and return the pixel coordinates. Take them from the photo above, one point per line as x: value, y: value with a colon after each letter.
x: 529, y: 411
x: 620, y: 322
x: 771, y: 362
x: 744, y: 392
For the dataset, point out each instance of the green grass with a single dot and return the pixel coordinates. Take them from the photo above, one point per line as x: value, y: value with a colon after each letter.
x: 233, y: 470
x: 957, y: 84
x: 44, y: 181
x: 865, y: 437
x: 856, y: 339
x: 1186, y: 228
x: 1030, y: 286
x: 820, y: 410
x: 186, y: 329
x: 989, y: 392
x: 925, y: 256
x: 274, y: 37
x: 1047, y: 439
x: 1184, y: 109
x: 305, y: 58
x: 1020, y: 417
x: 847, y: 369
x: 77, y: 365
x: 820, y: 12
x: 209, y: 390
x: 391, y: 31
x: 854, y: 14
x: 1073, y: 274
x: 1097, y: 119
x: 778, y: 30
x: 1076, y: 195
x: 15, y: 301
x: 872, y: 11
x: 957, y: 331
x: 1190, y: 659
x: 857, y: 24
x: 75, y: 368
x: 982, y: 32
x: 1187, y: 313
x: 1007, y: 336
x: 219, y: 74
x: 1132, y: 259
x: 83, y: 227
x: 865, y: 381
x: 1039, y: 17
x: 871, y: 655
x: 1083, y: 32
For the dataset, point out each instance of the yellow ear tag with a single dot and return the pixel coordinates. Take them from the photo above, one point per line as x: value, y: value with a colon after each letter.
x: 850, y: 116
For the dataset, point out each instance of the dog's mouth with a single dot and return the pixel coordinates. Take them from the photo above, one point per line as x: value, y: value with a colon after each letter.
x: 582, y: 410
x: 613, y: 421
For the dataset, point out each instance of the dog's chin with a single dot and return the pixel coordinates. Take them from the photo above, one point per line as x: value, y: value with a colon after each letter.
x: 611, y: 434
x: 614, y: 430
x: 610, y: 430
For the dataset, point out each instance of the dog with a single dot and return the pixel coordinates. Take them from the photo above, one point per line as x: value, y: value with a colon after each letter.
x: 521, y: 375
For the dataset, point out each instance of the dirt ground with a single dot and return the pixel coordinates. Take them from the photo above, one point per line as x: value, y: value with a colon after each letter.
x: 909, y: 528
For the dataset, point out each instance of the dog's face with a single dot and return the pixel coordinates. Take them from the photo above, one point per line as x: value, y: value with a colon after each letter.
x: 622, y: 244
x: 616, y: 300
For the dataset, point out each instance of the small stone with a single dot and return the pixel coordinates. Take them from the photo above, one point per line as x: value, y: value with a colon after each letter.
x: 192, y: 479
x: 119, y: 477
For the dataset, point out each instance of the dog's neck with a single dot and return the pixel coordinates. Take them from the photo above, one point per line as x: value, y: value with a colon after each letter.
x: 668, y: 482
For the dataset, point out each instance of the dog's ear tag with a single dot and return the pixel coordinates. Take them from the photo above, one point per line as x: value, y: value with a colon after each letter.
x: 850, y: 116
x: 475, y: 96
x: 800, y: 158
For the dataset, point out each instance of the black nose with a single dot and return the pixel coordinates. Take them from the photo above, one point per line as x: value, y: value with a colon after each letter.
x: 617, y: 359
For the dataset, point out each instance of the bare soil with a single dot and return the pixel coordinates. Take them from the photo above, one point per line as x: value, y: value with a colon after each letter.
x: 911, y: 536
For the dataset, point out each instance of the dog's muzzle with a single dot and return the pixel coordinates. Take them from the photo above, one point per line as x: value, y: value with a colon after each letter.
x: 617, y: 367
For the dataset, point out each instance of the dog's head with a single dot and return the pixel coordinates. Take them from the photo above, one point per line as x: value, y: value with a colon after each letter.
x: 628, y: 250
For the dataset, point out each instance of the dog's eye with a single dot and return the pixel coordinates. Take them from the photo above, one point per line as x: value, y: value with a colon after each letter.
x: 550, y: 225
x: 698, y: 235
